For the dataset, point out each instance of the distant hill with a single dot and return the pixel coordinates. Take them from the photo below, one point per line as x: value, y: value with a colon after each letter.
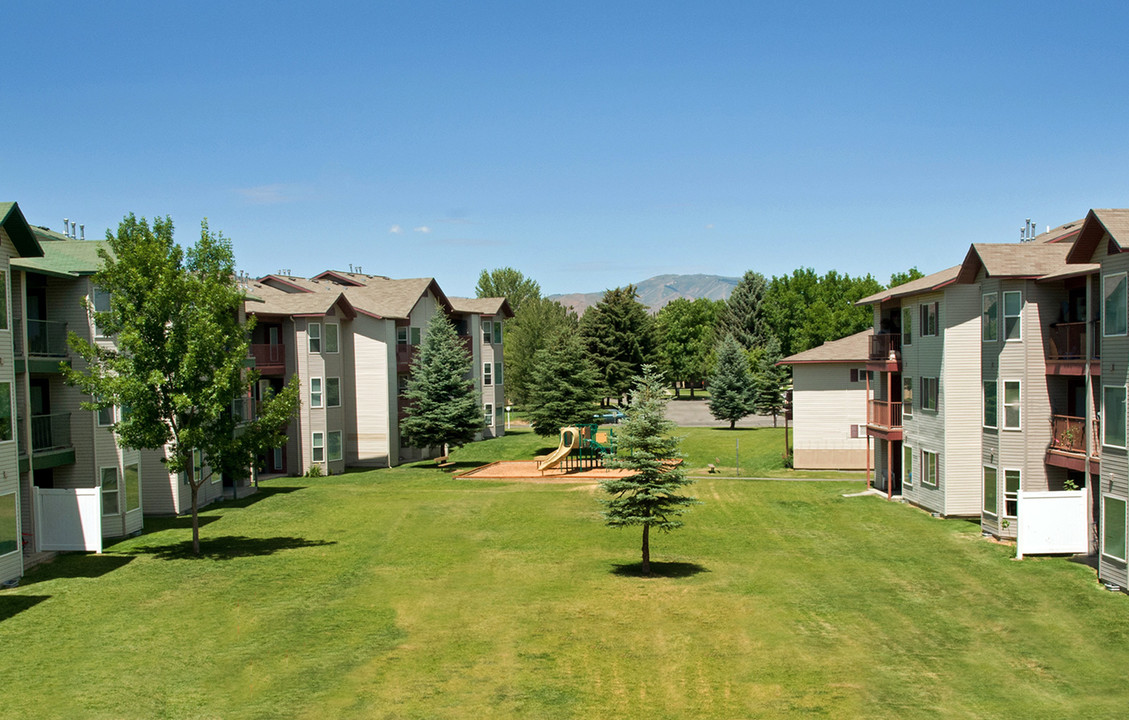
x: 661, y: 289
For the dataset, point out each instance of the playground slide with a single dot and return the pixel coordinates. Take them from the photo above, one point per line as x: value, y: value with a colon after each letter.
x: 570, y: 440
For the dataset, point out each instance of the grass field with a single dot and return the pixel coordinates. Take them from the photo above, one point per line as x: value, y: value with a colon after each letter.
x: 409, y: 593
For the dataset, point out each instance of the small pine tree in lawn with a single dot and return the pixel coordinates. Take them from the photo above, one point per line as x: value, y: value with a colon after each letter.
x: 768, y: 380
x: 563, y: 385
x: 649, y: 495
x: 443, y: 407
x: 731, y: 386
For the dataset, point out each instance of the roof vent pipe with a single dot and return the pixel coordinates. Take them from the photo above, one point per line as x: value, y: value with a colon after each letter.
x: 81, y: 232
x: 66, y: 227
x: 73, y: 223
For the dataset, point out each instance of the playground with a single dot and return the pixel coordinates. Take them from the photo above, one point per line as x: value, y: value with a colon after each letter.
x: 579, y: 457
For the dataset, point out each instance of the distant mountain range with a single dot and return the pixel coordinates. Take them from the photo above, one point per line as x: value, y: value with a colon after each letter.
x: 659, y: 290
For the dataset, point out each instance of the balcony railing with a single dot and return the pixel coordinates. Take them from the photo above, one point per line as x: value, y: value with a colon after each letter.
x: 885, y: 414
x: 882, y: 345
x: 50, y: 432
x: 1068, y: 434
x: 269, y: 358
x: 1067, y: 342
x: 45, y: 338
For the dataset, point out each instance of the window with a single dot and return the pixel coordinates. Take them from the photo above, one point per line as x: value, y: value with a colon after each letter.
x: 106, y: 416
x: 991, y: 405
x: 315, y: 392
x: 907, y: 465
x: 497, y: 332
x: 990, y: 318
x: 991, y: 488
x: 928, y: 319
x: 132, y: 487
x: 9, y: 527
x: 318, y: 445
x: 907, y: 396
x: 1013, y: 307
x: 110, y: 502
x: 1113, y: 527
x: 488, y: 415
x: 1113, y: 415
x: 4, y: 301
x: 497, y: 373
x: 1114, y: 321
x: 486, y: 375
x: 100, y: 299
x: 929, y: 391
x: 855, y: 377
x: 1012, y: 404
x: 331, y: 337
x: 6, y: 411
x: 907, y: 326
x: 415, y: 336
x: 313, y: 332
x: 333, y: 392
x: 1011, y: 493
x: 401, y: 336
x: 928, y: 468
x: 334, y: 442
x: 487, y: 332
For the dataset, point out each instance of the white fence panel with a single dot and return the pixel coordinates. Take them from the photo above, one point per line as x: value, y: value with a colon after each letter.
x: 68, y: 519
x: 1052, y: 523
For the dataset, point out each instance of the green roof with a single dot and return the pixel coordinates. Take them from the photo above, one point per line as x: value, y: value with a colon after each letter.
x: 63, y: 257
x: 13, y: 222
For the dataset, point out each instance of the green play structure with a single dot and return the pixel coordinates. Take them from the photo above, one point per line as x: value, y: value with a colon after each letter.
x: 595, y: 445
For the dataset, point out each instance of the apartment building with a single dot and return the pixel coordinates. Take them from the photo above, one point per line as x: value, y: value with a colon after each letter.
x: 350, y: 338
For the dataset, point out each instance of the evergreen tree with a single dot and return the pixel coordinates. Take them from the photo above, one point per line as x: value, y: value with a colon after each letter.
x: 443, y: 407
x: 731, y: 386
x: 685, y: 332
x: 620, y: 337
x: 743, y: 316
x: 768, y: 380
x: 649, y: 495
x: 563, y: 385
x: 537, y: 322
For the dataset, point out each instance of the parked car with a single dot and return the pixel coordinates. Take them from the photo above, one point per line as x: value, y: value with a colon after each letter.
x: 612, y: 416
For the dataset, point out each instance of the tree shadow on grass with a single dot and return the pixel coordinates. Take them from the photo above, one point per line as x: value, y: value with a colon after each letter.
x: 11, y: 605
x: 229, y: 547
x: 659, y: 569
x: 263, y: 493
x: 75, y: 565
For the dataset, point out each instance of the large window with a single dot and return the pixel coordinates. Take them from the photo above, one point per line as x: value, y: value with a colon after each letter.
x: 487, y: 332
x: 9, y: 527
x: 991, y: 406
x: 332, y: 337
x: 1011, y: 492
x: 487, y: 376
x: 401, y: 336
x: 111, y: 502
x: 317, y: 444
x: 100, y: 299
x: 928, y: 319
x: 416, y: 338
x: 332, y: 392
x: 106, y: 416
x: 1012, y: 405
x: 315, y: 392
x: 991, y: 488
x: 1113, y: 527
x: 907, y: 465
x: 907, y: 326
x: 313, y: 332
x: 132, y: 482
x: 990, y: 318
x: 929, y: 468
x: 1013, y: 307
x: 1113, y: 415
x: 488, y: 415
x: 6, y: 419
x: 333, y: 441
x: 497, y: 373
x: 1114, y: 321
x: 929, y: 392
x: 907, y: 396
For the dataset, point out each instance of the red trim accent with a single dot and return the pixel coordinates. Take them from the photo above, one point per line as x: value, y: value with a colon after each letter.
x: 284, y: 281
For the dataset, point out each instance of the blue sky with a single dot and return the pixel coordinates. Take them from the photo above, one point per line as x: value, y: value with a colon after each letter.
x: 587, y: 144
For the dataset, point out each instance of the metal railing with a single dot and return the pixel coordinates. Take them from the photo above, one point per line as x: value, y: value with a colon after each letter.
x: 1068, y: 434
x: 885, y: 414
x: 882, y: 345
x: 49, y: 432
x: 45, y: 338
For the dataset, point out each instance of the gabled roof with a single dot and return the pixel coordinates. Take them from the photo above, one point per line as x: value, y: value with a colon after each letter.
x: 851, y: 349
x: 482, y: 306
x: 285, y: 283
x: 915, y: 287
x: 1097, y: 224
x: 1013, y: 260
x: 340, y: 278
x: 380, y: 298
x: 278, y: 302
x: 62, y: 256
x: 394, y: 299
x: 19, y: 232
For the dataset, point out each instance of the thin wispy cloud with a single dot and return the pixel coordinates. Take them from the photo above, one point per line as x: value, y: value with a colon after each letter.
x: 395, y: 229
x: 709, y: 226
x: 422, y: 229
x: 275, y: 194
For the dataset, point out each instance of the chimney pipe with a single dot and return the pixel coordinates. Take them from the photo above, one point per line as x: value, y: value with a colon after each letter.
x: 66, y: 227
x: 72, y: 229
x: 81, y: 232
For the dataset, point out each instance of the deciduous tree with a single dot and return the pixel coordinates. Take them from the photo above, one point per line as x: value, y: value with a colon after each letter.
x: 803, y: 310
x: 685, y: 330
x: 532, y: 328
x: 508, y: 283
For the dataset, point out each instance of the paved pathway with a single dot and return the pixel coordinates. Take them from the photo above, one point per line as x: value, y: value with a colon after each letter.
x: 695, y: 413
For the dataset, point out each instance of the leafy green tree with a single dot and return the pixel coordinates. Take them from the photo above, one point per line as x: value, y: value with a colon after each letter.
x: 537, y: 322
x: 178, y: 360
x: 562, y: 385
x: 731, y: 386
x: 685, y: 330
x: 768, y: 380
x: 743, y: 316
x: 510, y: 284
x: 649, y: 495
x: 803, y: 310
x: 443, y: 407
x: 901, y: 278
x: 620, y: 337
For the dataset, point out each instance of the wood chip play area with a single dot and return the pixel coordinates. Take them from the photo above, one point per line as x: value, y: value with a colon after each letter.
x: 527, y: 470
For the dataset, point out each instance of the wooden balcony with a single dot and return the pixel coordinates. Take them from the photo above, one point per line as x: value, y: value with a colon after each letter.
x: 884, y: 419
x: 1067, y: 345
x: 885, y: 353
x: 1068, y: 443
x: 269, y: 359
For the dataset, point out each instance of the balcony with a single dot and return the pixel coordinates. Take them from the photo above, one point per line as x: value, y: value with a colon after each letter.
x: 46, y: 346
x: 269, y: 359
x: 1068, y: 443
x: 50, y: 441
x: 1067, y: 345
x: 884, y: 419
x: 885, y: 353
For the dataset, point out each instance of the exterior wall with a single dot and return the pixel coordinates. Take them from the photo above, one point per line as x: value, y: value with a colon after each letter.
x: 373, y: 363
x: 960, y: 402
x: 925, y: 429
x: 825, y: 405
x: 11, y: 563
x: 1114, y: 461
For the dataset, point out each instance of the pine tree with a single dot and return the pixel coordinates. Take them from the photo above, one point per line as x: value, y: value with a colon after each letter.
x: 562, y: 385
x: 768, y: 380
x: 533, y: 327
x: 731, y: 386
x: 743, y: 316
x: 443, y: 407
x: 649, y: 495
x: 620, y: 337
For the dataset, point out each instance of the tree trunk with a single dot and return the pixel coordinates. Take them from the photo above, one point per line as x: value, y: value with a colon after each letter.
x: 647, y: 550
x: 691, y: 391
x: 773, y: 419
x: 732, y: 424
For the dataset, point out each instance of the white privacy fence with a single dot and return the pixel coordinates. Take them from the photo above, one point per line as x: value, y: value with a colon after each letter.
x: 68, y: 519
x: 1051, y: 523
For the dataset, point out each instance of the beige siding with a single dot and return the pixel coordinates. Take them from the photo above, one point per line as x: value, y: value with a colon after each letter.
x: 826, y: 404
x: 960, y: 400
x: 373, y: 356
x: 11, y: 564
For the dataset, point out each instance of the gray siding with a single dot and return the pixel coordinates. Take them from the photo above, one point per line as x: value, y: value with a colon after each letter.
x: 1115, y: 372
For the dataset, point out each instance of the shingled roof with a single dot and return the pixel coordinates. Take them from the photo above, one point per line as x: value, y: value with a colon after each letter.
x: 915, y: 287
x: 1097, y: 224
x: 482, y: 306
x: 380, y: 297
x: 851, y: 349
x: 19, y: 232
x: 1014, y: 260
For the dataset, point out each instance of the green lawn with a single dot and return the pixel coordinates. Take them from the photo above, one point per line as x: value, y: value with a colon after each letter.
x: 409, y: 593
